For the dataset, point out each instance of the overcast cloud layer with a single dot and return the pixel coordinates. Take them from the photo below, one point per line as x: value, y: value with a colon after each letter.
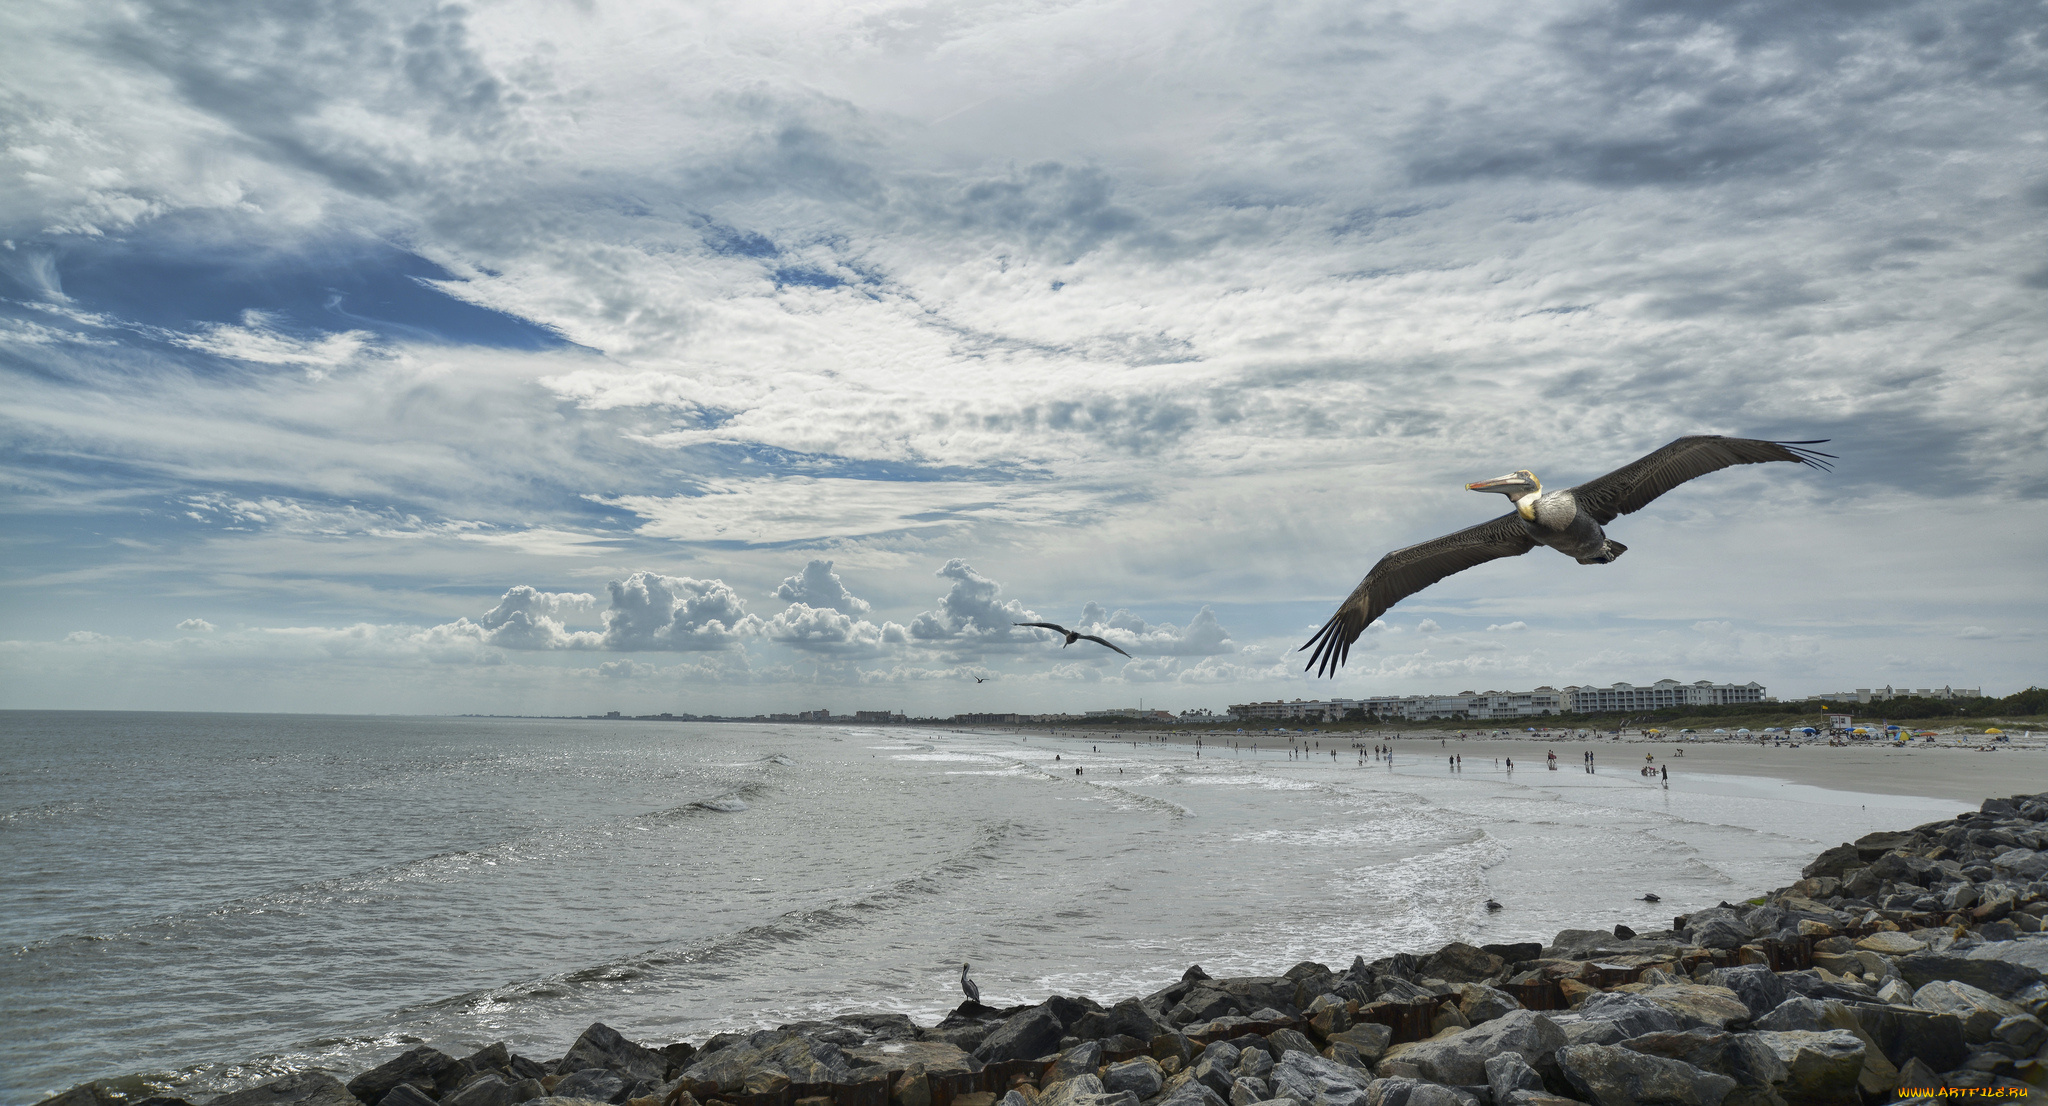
x: 527, y: 357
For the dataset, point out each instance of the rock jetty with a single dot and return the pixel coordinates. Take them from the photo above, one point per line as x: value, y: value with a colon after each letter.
x: 1902, y: 966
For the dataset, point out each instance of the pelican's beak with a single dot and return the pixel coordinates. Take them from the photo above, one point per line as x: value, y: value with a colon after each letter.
x: 1511, y: 480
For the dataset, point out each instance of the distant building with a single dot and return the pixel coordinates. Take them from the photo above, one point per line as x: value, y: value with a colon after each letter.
x: 881, y: 716
x: 1135, y: 713
x: 985, y: 719
x: 1887, y: 694
x: 1662, y: 695
x: 819, y: 715
x: 1490, y: 706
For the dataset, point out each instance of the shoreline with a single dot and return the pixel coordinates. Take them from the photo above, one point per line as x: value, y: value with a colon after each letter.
x: 1961, y: 774
x: 1902, y: 949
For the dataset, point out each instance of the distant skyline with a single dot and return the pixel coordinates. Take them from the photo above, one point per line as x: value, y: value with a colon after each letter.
x: 526, y: 358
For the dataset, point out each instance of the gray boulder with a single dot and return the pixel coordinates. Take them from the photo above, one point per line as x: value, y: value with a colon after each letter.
x: 1141, y: 1077
x: 306, y: 1088
x: 486, y: 1090
x: 425, y: 1067
x: 601, y: 1046
x: 1462, y: 1058
x: 1820, y: 1068
x: 1980, y: 1011
x: 773, y: 1051
x: 1190, y: 1093
x: 1458, y: 962
x: 406, y: 1094
x: 1077, y: 1091
x: 1480, y: 1003
x: 1997, y: 975
x: 1314, y: 1081
x: 1610, y: 1017
x: 1739, y: 1056
x: 1256, y: 1063
x: 1409, y: 1092
x: 1507, y: 1073
x: 1246, y: 1090
x: 1756, y: 985
x: 596, y: 1084
x: 1082, y: 1059
x: 1608, y: 1076
x: 1718, y: 928
x: 1797, y: 1012
x: 1025, y: 1035
x: 1368, y: 1039
x: 1131, y: 1019
x: 1216, y: 1068
x: 1288, y: 1040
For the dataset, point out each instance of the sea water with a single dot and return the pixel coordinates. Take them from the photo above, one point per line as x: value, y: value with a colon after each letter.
x: 209, y: 900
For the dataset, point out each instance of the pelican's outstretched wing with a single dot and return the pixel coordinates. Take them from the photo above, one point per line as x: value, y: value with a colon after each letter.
x: 1404, y: 572
x: 1098, y: 641
x: 1631, y: 487
x: 1043, y: 625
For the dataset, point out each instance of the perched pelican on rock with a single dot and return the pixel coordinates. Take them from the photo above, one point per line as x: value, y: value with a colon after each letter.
x: 1568, y: 521
x: 967, y: 986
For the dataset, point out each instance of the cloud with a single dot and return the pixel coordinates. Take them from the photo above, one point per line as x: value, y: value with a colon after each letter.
x: 196, y: 625
x: 1203, y: 635
x: 1514, y: 627
x: 971, y: 611
x: 819, y: 586
x: 624, y: 670
x: 652, y: 612
x: 1428, y: 626
x: 825, y: 630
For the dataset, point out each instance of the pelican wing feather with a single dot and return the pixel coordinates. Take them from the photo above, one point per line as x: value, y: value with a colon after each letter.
x: 1404, y: 572
x: 1100, y: 641
x: 1043, y: 625
x: 1631, y: 487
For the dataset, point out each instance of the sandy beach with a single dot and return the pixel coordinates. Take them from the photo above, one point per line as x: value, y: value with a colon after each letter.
x: 1938, y: 772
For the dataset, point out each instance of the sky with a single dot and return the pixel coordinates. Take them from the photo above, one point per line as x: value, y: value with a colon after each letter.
x: 520, y: 357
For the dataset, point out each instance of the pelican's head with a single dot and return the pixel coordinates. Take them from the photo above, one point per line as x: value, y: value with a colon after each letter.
x: 1514, y: 485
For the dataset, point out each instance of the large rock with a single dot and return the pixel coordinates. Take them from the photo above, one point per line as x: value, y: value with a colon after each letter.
x: 1700, y: 1004
x: 790, y: 1055
x: 1904, y: 1032
x: 1082, y: 1059
x: 601, y: 1046
x: 1821, y: 1068
x: 1190, y: 1093
x: 1411, y: 1092
x: 1999, y: 976
x: 1314, y: 1081
x: 1480, y: 1003
x: 1023, y: 1036
x: 1069, y: 1092
x: 1756, y: 985
x: 2021, y: 864
x: 1739, y: 1056
x: 1131, y: 1019
x: 596, y: 1084
x: 1507, y: 1073
x: 1141, y: 1077
x: 426, y: 1068
x: 1833, y: 862
x: 306, y: 1088
x: 1604, y: 1075
x: 1368, y: 1039
x: 893, y: 1056
x: 1458, y: 962
x: 1718, y: 928
x: 1610, y: 1017
x: 1979, y: 1010
x: 487, y: 1090
x: 1462, y: 1058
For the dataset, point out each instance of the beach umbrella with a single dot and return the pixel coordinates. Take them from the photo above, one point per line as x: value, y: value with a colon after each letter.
x: 1741, y: 731
x: 1994, y: 729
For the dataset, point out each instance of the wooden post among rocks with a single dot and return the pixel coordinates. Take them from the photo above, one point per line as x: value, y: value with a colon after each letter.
x: 1902, y: 966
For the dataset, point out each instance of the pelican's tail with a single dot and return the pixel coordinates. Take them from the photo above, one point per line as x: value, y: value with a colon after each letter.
x: 1608, y: 552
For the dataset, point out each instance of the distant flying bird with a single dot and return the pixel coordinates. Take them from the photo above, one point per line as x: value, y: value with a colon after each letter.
x: 1072, y: 635
x: 981, y: 679
x: 967, y: 985
x: 1567, y: 521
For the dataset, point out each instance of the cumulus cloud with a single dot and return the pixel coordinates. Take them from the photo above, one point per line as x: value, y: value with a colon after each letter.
x: 527, y: 618
x: 818, y: 586
x: 972, y: 611
x: 1428, y: 626
x: 825, y: 630
x: 196, y: 625
x: 1514, y: 627
x: 624, y: 669
x: 1202, y: 636
x: 652, y: 612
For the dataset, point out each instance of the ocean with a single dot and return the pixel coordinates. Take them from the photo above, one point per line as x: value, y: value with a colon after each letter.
x: 209, y: 900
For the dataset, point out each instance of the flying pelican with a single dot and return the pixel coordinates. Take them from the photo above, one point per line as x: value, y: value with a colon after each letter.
x: 981, y: 679
x: 967, y: 985
x: 1072, y: 635
x: 1567, y: 521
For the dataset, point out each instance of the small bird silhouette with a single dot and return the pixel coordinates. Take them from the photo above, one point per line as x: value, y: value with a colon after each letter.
x: 967, y: 985
x: 1072, y: 635
x: 1492, y: 905
x: 981, y: 679
x: 1652, y: 897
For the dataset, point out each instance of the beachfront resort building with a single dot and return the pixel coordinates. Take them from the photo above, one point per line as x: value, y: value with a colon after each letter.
x: 1481, y: 706
x: 1887, y: 694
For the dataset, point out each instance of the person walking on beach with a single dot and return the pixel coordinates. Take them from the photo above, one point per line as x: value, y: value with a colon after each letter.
x: 1511, y: 765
